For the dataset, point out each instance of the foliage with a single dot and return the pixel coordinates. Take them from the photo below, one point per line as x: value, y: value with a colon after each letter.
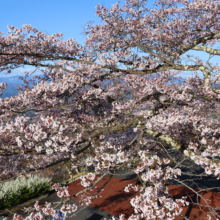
x: 116, y: 102
x: 20, y: 190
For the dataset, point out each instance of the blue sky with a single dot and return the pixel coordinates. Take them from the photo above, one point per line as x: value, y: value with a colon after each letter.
x: 52, y: 16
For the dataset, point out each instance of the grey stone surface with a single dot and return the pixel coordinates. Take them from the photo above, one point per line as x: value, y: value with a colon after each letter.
x: 125, y: 173
x: 90, y: 213
x: 84, y: 213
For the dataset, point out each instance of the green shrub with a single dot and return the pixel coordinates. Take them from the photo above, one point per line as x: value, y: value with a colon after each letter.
x: 21, y: 190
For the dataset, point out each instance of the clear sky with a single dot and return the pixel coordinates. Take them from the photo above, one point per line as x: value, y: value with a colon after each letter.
x: 52, y: 16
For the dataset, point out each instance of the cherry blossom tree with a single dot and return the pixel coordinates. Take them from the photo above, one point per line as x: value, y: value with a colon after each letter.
x: 116, y: 102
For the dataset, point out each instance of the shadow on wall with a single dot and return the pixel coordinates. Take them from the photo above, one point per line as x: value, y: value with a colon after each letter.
x: 96, y: 217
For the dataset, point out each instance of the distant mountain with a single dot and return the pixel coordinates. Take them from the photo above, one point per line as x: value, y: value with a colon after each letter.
x: 11, y: 79
x: 13, y: 82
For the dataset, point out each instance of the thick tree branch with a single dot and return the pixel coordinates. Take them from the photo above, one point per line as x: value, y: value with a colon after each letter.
x: 207, y: 50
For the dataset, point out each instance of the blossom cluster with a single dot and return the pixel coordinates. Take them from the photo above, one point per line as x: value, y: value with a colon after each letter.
x: 123, y: 84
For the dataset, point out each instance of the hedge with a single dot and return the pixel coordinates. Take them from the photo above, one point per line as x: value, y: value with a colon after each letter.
x: 20, y: 190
